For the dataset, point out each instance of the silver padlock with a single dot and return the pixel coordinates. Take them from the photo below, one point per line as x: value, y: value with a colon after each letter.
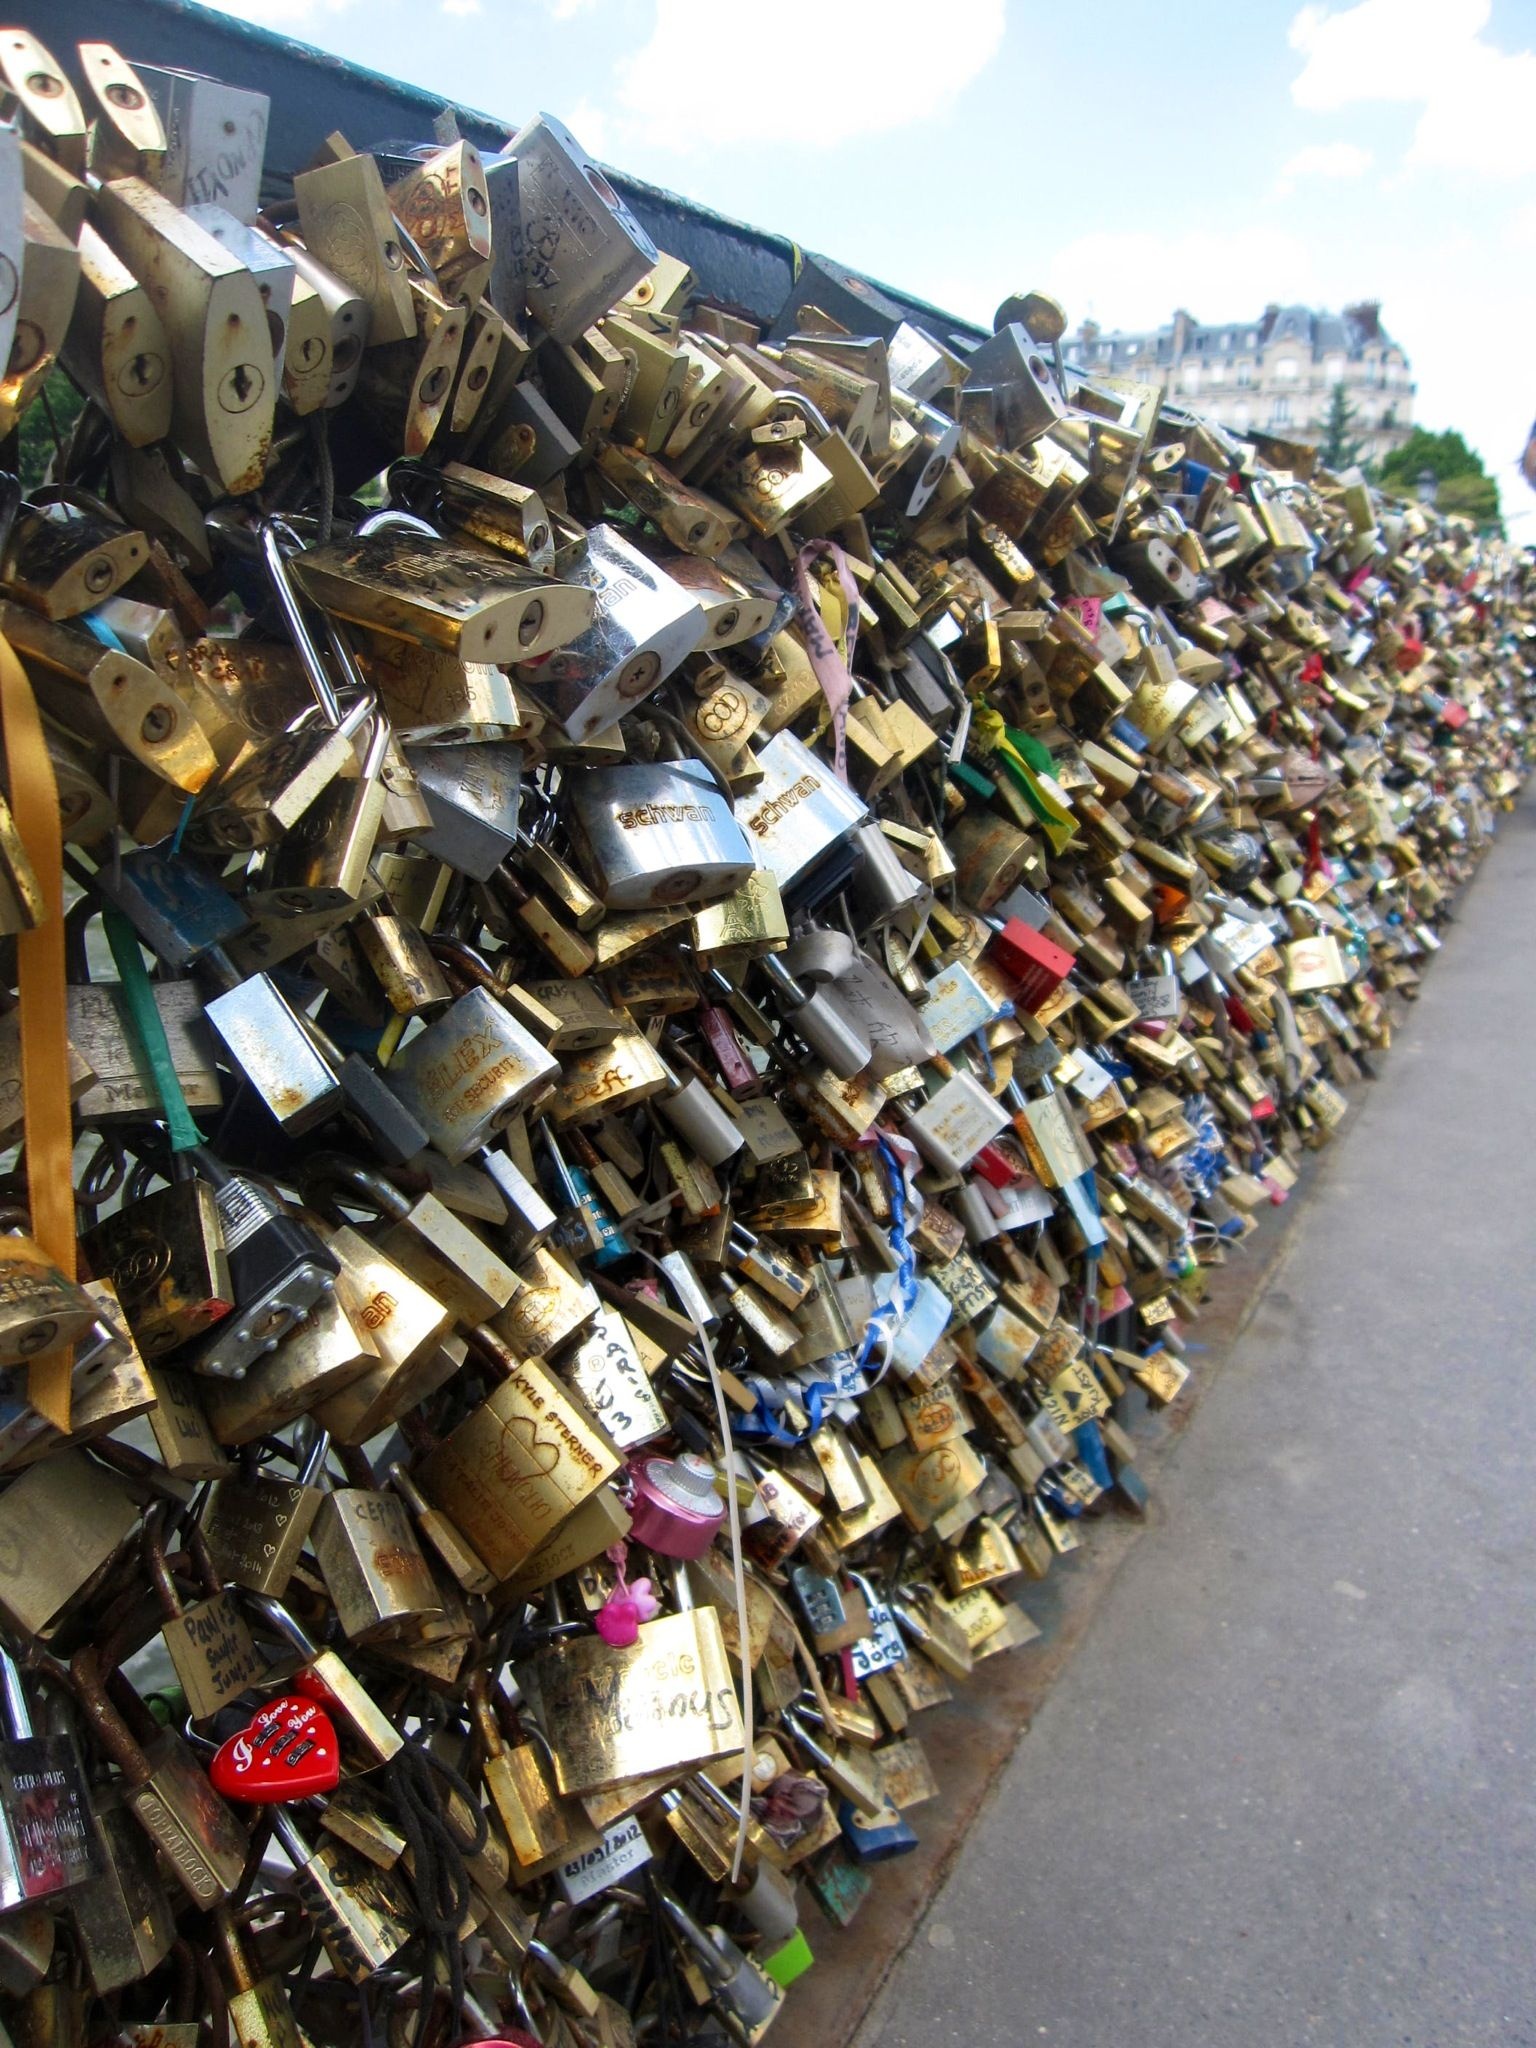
x: 816, y: 1016
x: 466, y: 1076
x: 645, y: 624
x: 881, y: 888
x: 216, y: 139
x: 581, y: 246
x: 267, y: 1042
x: 701, y: 1122
x: 654, y: 833
x: 799, y: 813
x: 897, y: 1032
x: 473, y: 795
x: 1029, y: 402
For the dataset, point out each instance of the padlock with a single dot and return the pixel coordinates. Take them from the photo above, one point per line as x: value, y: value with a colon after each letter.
x: 737, y: 1986
x: 454, y: 599
x: 48, y: 1841
x: 643, y: 626
x: 209, y: 1643
x: 580, y: 246
x: 371, y: 1562
x: 122, y: 1918
x: 469, y: 1072
x: 223, y: 379
x: 165, y: 1789
x: 518, y: 1464
x: 652, y: 835
x: 216, y: 136
x: 165, y: 1255
x: 361, y: 1912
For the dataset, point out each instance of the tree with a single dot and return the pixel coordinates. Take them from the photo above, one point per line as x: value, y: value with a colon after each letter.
x: 1471, y: 497
x: 1339, y: 448
x: 1465, y: 488
x: 35, y: 449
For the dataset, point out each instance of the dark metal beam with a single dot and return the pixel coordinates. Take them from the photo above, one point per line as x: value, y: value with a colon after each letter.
x: 313, y: 93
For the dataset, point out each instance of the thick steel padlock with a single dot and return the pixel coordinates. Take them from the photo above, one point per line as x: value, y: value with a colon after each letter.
x: 580, y: 246
x: 643, y: 626
x: 468, y: 1074
x: 656, y: 834
x: 816, y: 1016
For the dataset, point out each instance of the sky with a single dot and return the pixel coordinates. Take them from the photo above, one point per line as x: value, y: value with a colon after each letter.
x: 1128, y: 158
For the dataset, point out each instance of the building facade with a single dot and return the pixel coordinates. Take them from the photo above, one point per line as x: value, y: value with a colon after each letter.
x: 1275, y: 374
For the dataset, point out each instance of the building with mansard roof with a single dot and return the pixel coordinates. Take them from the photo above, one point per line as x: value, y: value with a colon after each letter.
x: 1275, y: 374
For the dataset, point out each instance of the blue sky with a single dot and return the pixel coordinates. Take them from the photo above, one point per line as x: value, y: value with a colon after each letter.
x: 1128, y: 157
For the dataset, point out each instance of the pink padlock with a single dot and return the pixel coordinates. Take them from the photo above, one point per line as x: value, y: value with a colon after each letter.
x: 676, y: 1509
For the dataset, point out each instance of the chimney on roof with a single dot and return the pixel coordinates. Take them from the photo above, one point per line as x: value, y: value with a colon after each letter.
x: 1183, y: 331
x: 1267, y: 320
x: 1088, y: 332
x: 1367, y: 317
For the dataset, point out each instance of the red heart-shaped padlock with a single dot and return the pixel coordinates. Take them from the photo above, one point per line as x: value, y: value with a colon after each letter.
x: 288, y: 1752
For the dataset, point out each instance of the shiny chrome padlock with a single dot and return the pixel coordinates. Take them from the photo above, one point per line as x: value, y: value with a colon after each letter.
x: 473, y: 795
x: 799, y: 815
x: 653, y: 834
x: 643, y: 626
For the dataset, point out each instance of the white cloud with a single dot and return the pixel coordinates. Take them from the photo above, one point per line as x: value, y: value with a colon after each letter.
x: 592, y: 129
x: 460, y: 6
x: 862, y: 75
x: 1323, y: 160
x: 1476, y: 99
x: 1124, y: 279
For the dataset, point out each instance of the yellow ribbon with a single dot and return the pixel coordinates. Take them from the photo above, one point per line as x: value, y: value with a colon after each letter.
x: 48, y: 1120
x: 1045, y: 798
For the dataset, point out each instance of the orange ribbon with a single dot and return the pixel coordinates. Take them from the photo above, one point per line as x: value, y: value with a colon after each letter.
x: 48, y: 1119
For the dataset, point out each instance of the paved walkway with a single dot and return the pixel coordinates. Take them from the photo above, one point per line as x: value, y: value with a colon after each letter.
x: 1284, y: 1793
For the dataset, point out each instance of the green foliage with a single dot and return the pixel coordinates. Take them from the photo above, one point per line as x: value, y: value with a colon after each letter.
x: 1465, y: 489
x: 1471, y: 497
x: 1444, y: 455
x: 35, y: 436
x: 1339, y: 448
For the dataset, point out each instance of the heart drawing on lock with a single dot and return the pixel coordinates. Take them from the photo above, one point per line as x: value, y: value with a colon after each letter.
x: 288, y: 1752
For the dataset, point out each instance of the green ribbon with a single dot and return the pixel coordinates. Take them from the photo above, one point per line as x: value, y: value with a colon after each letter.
x: 144, y: 1021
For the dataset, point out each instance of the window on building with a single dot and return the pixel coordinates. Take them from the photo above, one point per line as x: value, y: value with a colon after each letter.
x: 1131, y: 347
x: 1333, y: 369
x: 1189, y: 377
x: 1372, y: 370
x: 1240, y: 416
x: 1286, y: 369
x: 1281, y: 416
x: 1251, y: 341
x: 1216, y: 372
x: 1245, y: 373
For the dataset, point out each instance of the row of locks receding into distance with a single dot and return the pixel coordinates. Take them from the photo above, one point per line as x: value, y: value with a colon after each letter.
x: 652, y: 961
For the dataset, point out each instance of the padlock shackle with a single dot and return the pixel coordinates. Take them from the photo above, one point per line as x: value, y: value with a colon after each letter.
x: 333, y: 1171
x: 274, y: 532
x: 152, y: 1547
x: 277, y: 1616
x: 112, y: 1732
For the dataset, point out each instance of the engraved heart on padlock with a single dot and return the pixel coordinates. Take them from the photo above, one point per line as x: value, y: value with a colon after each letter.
x: 288, y: 1752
